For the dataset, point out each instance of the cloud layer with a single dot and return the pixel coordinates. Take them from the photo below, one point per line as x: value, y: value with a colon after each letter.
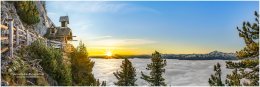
x: 178, y: 72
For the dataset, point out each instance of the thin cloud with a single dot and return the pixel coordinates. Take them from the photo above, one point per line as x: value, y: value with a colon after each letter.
x: 112, y: 48
x: 98, y: 7
x: 88, y: 7
x: 120, y: 42
x: 100, y: 37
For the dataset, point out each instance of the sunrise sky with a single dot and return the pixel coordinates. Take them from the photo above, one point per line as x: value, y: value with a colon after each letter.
x: 142, y: 27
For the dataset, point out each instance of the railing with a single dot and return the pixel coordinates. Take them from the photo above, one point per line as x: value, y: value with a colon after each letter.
x: 55, y: 44
x: 12, y: 36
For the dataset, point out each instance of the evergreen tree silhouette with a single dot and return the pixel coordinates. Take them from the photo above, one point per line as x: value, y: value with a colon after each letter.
x: 248, y: 67
x: 126, y: 77
x: 157, y: 69
x: 82, y: 68
x: 215, y: 79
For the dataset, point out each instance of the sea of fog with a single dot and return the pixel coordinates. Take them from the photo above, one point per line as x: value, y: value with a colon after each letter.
x: 178, y: 72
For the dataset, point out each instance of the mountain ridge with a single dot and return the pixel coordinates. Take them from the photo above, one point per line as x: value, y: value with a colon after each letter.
x: 208, y: 56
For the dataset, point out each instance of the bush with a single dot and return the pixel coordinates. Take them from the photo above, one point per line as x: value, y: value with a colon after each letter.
x: 52, y: 61
x: 27, y: 11
x: 13, y: 73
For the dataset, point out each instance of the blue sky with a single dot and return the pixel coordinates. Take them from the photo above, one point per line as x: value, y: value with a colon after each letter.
x: 169, y: 27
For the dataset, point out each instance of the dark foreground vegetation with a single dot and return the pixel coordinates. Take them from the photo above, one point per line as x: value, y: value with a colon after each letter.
x: 246, y: 71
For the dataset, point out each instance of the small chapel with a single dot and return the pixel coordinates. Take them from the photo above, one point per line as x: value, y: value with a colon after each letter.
x: 62, y: 33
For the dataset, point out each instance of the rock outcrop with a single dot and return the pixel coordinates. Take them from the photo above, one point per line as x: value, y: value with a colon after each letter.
x: 8, y: 10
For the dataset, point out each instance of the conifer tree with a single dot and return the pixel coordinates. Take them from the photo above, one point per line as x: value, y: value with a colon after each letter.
x: 215, y: 79
x: 82, y: 68
x: 233, y: 79
x: 157, y: 69
x: 248, y: 67
x: 126, y: 77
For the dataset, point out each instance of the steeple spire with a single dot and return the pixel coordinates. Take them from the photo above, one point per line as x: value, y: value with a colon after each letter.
x: 64, y: 21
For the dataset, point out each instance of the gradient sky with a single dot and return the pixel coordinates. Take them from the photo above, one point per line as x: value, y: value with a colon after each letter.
x: 142, y: 27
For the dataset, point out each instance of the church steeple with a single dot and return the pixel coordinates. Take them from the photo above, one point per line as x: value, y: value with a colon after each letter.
x: 64, y: 21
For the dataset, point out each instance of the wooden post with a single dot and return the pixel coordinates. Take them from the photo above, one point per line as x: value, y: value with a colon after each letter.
x: 11, y: 31
x: 17, y: 36
x: 27, y: 37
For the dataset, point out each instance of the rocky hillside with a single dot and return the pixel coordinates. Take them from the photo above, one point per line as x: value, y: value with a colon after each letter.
x: 8, y: 10
x: 24, y: 65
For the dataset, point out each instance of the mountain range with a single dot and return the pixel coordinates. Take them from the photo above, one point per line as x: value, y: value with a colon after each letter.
x: 214, y: 55
x: 209, y: 56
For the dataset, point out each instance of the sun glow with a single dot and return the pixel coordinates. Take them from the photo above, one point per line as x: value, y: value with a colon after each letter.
x: 109, y: 53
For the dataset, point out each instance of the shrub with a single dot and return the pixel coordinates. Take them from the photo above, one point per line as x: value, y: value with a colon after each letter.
x: 13, y: 73
x: 27, y: 11
x: 52, y: 61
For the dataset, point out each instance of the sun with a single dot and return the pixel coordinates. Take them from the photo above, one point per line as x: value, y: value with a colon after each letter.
x: 109, y: 53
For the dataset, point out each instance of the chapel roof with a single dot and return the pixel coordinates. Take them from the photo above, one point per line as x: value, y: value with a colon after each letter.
x: 64, y: 18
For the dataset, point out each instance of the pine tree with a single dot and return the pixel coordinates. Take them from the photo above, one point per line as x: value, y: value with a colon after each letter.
x: 248, y: 67
x: 250, y: 34
x: 233, y: 79
x: 126, y: 77
x: 157, y: 69
x: 215, y: 79
x: 82, y: 68
x: 252, y: 73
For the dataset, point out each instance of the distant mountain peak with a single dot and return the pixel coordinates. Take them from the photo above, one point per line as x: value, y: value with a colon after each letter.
x: 216, y: 52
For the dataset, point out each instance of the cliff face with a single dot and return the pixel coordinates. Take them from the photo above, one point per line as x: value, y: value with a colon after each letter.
x: 8, y: 10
